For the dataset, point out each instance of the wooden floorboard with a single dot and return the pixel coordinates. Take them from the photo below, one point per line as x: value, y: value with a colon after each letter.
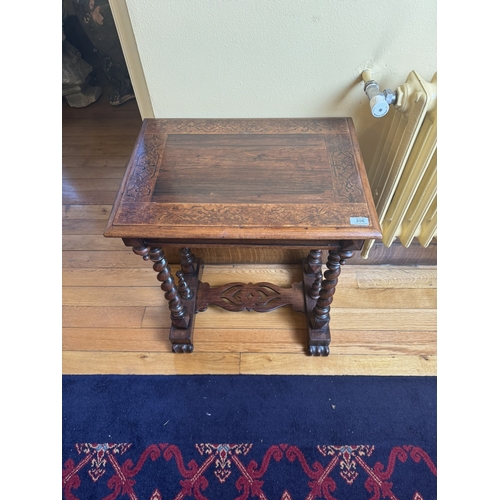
x: 116, y: 320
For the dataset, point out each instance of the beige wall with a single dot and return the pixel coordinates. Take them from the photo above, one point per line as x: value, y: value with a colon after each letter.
x: 280, y: 58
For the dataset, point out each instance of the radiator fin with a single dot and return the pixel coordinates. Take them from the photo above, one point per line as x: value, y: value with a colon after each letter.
x: 402, y: 174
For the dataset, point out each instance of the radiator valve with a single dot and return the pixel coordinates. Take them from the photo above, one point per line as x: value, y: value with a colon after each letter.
x: 379, y: 101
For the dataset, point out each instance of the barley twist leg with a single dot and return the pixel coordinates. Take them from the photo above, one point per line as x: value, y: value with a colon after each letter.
x: 320, y: 317
x: 178, y: 315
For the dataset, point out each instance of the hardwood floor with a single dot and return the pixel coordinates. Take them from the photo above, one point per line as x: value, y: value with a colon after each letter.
x: 115, y: 319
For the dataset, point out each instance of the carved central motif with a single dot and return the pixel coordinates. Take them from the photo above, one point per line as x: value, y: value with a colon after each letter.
x: 260, y: 297
x: 250, y: 296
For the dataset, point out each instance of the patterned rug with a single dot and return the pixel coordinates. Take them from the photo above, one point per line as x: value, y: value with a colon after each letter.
x: 238, y: 437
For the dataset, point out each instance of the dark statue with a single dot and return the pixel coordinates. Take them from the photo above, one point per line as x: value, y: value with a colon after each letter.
x: 76, y: 75
x: 97, y: 22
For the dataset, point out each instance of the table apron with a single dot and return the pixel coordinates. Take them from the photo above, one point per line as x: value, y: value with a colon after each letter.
x: 326, y: 245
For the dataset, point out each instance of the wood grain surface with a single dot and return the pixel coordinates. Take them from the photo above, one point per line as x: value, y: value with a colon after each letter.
x: 269, y: 180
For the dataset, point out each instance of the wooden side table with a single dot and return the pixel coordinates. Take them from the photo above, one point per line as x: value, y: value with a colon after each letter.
x: 292, y: 183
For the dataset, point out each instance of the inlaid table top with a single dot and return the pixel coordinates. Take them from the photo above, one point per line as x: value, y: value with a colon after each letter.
x: 255, y: 181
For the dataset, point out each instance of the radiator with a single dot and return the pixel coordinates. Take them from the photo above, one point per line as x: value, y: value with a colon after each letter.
x: 403, y: 172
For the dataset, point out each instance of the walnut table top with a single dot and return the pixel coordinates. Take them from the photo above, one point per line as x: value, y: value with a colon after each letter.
x: 264, y: 181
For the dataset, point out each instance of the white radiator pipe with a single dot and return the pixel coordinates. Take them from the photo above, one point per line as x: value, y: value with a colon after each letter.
x: 379, y: 101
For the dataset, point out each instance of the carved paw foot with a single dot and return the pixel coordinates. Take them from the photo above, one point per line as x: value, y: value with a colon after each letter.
x: 319, y: 350
x: 182, y: 347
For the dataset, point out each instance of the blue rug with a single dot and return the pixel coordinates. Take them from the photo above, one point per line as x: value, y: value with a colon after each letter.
x: 238, y: 437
